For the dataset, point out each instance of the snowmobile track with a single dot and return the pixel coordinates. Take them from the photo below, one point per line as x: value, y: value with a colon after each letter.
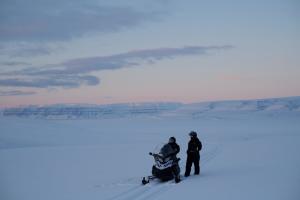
x: 210, y: 155
x: 143, y: 192
x: 154, y: 189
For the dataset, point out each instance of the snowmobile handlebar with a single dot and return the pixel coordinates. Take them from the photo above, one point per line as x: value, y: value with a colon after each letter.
x: 155, y: 154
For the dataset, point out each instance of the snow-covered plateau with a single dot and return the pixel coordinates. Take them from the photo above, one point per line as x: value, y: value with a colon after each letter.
x: 250, y: 150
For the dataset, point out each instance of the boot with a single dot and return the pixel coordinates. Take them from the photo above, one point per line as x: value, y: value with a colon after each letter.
x: 177, y: 179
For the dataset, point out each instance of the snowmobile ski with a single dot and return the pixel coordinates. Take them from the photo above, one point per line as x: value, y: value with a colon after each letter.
x: 147, y: 179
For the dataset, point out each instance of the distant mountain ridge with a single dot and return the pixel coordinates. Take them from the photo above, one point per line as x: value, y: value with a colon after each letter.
x: 85, y: 111
x: 73, y: 111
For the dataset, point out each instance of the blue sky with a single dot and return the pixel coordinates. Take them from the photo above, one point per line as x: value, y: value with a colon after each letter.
x: 148, y: 50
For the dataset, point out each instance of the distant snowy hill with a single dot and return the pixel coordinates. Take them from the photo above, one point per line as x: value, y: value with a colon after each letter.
x: 75, y: 111
x: 78, y: 111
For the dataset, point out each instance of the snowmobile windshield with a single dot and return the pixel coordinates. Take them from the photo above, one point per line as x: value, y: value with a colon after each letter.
x: 164, y: 150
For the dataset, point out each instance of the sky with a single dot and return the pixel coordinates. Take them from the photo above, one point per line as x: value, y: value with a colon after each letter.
x: 104, y: 52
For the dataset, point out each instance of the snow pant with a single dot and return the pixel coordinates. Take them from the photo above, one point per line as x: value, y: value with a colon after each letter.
x: 192, y: 158
x: 176, y: 170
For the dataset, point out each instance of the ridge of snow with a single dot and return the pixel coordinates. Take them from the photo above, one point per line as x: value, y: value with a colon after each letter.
x: 91, y: 111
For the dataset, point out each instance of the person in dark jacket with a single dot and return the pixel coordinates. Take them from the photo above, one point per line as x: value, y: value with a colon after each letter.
x: 174, y: 145
x: 176, y: 149
x: 193, y: 155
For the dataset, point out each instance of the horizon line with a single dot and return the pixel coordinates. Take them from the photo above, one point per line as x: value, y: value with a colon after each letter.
x: 147, y: 102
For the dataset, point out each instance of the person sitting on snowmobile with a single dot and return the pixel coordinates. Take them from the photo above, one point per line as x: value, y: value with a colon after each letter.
x: 166, y: 165
x: 176, y: 149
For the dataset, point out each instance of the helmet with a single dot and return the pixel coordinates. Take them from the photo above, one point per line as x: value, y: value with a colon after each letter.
x: 172, y: 140
x: 193, y: 134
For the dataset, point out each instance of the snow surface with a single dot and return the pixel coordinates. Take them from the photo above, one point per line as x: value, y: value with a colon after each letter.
x: 250, y: 151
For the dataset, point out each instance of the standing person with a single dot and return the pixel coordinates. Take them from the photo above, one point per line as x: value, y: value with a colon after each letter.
x: 175, y: 151
x: 193, y: 155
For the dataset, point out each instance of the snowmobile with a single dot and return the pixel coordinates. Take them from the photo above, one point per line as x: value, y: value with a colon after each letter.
x: 165, y: 165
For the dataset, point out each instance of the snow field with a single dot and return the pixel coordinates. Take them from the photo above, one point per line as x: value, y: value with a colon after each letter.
x: 247, y: 155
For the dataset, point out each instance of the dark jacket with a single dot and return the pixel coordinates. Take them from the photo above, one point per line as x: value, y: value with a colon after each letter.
x: 175, y: 147
x: 175, y: 150
x: 194, y: 146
